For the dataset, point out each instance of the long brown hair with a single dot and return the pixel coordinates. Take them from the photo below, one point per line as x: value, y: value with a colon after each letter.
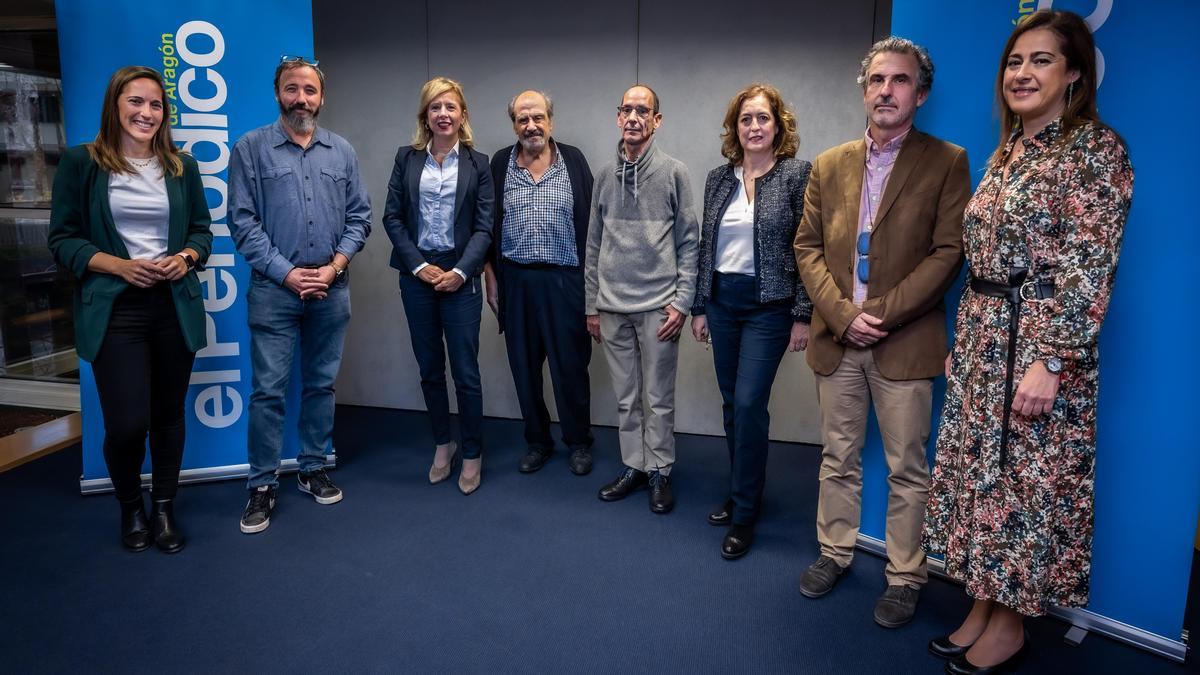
x: 106, y: 149
x: 433, y: 89
x: 1078, y: 47
x: 787, y: 139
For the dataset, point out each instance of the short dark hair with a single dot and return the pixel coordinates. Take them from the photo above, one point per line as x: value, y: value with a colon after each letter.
x: 292, y: 64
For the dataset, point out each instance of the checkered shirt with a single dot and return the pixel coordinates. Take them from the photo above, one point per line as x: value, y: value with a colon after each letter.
x: 539, y: 222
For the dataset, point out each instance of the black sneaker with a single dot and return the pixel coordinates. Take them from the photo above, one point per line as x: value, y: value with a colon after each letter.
x: 319, y: 486
x: 257, y: 515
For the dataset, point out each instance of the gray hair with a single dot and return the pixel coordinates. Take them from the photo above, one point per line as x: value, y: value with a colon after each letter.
x: 899, y: 45
x: 512, y: 105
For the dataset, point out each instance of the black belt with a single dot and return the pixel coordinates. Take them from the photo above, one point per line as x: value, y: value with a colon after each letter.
x: 1016, y: 291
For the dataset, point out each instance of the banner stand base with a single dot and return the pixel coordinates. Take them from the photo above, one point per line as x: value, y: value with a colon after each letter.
x: 96, y: 486
x: 1077, y: 618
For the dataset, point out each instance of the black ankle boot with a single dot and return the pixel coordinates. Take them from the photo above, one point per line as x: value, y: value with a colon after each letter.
x: 135, y: 531
x: 166, y: 533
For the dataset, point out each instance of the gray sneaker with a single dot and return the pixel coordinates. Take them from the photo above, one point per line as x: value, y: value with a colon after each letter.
x: 820, y: 577
x: 896, y: 606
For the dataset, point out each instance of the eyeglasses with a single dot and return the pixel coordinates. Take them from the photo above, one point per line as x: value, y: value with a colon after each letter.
x: 641, y: 111
x: 864, y: 264
x: 285, y: 58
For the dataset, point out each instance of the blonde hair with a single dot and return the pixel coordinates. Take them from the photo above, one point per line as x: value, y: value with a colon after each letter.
x: 106, y: 149
x: 787, y: 139
x: 433, y: 89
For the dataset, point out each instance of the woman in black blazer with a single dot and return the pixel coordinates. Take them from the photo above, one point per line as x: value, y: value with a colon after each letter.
x: 748, y: 296
x: 439, y: 218
x: 130, y: 220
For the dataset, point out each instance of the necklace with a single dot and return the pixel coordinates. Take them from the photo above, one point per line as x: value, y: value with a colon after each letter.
x: 141, y: 164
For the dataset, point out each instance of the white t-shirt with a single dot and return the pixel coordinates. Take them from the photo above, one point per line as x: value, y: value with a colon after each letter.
x: 140, y: 209
x: 735, y: 242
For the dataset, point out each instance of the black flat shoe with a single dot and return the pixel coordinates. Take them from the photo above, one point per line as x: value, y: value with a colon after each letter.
x: 534, y: 459
x: 737, y: 541
x: 961, y: 666
x: 135, y: 530
x: 722, y: 515
x: 943, y: 648
x: 167, y: 536
x: 627, y: 482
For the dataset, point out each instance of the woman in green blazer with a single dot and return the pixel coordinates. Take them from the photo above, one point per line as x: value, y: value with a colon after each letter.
x: 130, y: 220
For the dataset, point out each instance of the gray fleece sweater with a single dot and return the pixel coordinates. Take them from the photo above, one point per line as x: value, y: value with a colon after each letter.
x: 643, y: 236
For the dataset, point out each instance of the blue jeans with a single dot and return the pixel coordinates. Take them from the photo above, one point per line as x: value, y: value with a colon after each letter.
x: 434, y: 316
x: 277, y: 317
x: 748, y: 340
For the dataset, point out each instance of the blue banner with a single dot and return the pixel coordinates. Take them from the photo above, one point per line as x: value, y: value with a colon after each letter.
x: 218, y: 62
x: 1147, y: 467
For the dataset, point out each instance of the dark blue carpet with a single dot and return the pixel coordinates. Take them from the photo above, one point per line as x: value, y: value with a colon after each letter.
x: 532, y: 573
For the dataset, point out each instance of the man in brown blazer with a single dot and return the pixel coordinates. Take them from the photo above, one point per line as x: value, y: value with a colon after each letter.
x: 879, y: 244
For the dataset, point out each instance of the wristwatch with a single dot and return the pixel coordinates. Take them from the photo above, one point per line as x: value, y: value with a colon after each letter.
x: 187, y: 260
x: 337, y: 271
x: 1054, y: 365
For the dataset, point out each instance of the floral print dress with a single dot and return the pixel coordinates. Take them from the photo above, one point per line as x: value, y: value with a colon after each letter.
x: 1021, y: 533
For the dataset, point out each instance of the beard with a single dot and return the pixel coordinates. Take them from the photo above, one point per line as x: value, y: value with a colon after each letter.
x: 533, y: 144
x: 298, y: 122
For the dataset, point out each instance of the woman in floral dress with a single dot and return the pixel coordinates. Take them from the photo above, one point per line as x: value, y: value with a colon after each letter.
x: 1010, y: 505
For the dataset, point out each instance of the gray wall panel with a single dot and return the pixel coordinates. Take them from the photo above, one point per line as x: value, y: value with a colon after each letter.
x: 584, y: 55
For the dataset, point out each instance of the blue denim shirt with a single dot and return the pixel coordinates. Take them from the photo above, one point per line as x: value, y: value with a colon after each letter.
x: 295, y: 207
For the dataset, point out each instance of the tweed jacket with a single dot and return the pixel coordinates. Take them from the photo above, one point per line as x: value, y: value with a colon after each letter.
x: 915, y: 253
x: 81, y: 225
x: 778, y: 207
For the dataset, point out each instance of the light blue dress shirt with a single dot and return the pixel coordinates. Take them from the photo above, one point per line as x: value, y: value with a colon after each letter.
x: 439, y: 183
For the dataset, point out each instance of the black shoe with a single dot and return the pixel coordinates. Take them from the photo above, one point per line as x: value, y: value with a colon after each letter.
x: 167, y: 536
x: 943, y: 648
x: 722, y: 515
x: 961, y: 666
x: 135, y: 531
x: 737, y: 541
x: 820, y: 577
x: 535, y: 459
x: 319, y: 486
x: 627, y: 482
x: 581, y: 461
x: 896, y: 606
x: 257, y: 515
x: 662, y: 500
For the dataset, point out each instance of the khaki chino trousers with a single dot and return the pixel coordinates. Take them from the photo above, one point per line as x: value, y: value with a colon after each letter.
x: 903, y: 408
x: 639, y: 362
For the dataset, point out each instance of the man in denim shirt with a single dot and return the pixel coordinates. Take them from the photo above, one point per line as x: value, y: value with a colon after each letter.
x: 298, y: 214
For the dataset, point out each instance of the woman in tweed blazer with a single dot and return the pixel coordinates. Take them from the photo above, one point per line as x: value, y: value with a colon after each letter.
x: 749, y: 301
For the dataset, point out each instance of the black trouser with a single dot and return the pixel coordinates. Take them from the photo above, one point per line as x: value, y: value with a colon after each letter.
x: 544, y: 319
x: 142, y: 375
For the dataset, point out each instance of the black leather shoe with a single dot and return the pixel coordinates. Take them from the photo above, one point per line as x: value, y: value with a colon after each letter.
x: 722, y: 515
x: 581, y: 461
x: 167, y: 536
x: 534, y: 459
x: 737, y: 541
x: 626, y: 483
x: 943, y: 648
x: 961, y: 666
x: 662, y: 500
x: 135, y: 531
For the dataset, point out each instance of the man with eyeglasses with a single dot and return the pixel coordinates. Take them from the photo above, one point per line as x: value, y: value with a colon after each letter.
x: 640, y: 279
x: 878, y: 246
x: 535, y: 278
x: 298, y: 213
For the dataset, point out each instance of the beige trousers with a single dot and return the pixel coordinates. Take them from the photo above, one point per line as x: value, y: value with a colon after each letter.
x: 638, y: 361
x: 903, y: 408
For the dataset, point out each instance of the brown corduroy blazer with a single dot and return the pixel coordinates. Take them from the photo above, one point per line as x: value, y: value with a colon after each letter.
x: 915, y: 253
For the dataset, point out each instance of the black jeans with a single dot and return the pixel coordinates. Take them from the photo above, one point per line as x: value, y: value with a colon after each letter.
x: 142, y: 374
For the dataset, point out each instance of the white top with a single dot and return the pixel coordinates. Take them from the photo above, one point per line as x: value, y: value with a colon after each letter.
x: 140, y: 209
x: 735, y: 242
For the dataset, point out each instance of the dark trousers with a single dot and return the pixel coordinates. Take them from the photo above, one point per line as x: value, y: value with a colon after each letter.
x: 748, y: 340
x: 544, y: 320
x: 434, y: 316
x: 142, y: 374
